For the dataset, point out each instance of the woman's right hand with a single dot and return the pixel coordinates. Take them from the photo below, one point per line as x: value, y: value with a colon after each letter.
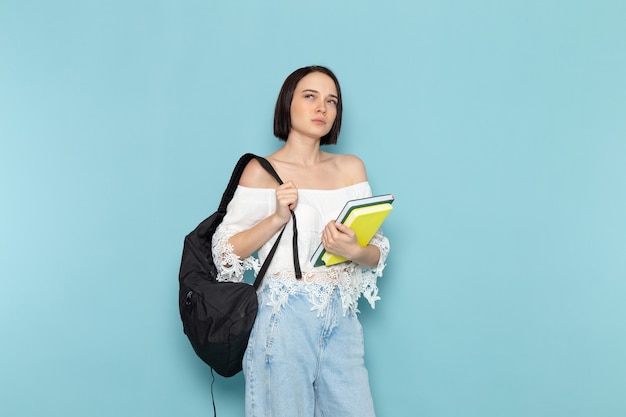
x: 286, y: 201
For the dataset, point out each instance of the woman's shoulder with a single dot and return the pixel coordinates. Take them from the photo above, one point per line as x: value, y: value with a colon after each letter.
x: 255, y: 176
x: 350, y: 165
x: 342, y: 157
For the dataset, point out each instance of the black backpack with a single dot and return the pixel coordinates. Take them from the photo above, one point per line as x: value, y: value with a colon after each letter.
x: 218, y: 316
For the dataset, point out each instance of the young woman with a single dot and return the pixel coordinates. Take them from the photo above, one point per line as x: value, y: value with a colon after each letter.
x: 305, y: 356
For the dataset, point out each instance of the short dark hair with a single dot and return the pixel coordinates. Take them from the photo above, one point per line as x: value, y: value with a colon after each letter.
x: 282, y: 112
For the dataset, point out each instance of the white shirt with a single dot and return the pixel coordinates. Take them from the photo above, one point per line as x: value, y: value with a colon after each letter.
x: 314, y: 210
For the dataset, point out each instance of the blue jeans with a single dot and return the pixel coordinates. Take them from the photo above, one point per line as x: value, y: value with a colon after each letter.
x: 300, y: 365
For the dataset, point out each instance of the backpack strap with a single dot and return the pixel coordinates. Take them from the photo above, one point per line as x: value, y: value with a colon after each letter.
x: 230, y: 192
x: 234, y: 181
x: 294, y: 243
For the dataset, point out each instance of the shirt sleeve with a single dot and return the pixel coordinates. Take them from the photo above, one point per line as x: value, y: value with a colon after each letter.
x: 364, y: 279
x: 247, y: 208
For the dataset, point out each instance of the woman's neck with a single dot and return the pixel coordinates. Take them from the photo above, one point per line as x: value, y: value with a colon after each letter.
x: 299, y: 152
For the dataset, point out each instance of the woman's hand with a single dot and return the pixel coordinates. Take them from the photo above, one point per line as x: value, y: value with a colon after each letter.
x: 247, y: 242
x: 339, y: 239
x: 286, y: 201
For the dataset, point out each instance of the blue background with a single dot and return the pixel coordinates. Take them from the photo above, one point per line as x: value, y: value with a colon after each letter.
x: 499, y: 126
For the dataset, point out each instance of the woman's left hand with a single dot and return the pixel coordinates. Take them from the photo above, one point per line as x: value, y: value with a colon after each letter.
x: 339, y: 239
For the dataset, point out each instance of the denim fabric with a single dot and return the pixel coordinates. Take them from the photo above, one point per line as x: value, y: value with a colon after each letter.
x: 299, y: 364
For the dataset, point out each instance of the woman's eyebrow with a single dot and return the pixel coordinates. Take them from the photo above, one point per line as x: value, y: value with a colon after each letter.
x: 309, y: 90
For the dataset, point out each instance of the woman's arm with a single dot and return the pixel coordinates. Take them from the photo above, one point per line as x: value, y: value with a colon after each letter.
x: 340, y: 239
x: 247, y: 242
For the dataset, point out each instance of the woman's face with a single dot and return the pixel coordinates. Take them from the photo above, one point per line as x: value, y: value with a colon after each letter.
x: 314, y: 106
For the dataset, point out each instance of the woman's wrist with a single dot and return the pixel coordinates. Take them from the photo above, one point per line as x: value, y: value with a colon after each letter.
x: 367, y: 256
x: 277, y: 221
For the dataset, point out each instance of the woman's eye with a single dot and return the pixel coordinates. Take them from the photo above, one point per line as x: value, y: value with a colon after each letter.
x: 333, y: 102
